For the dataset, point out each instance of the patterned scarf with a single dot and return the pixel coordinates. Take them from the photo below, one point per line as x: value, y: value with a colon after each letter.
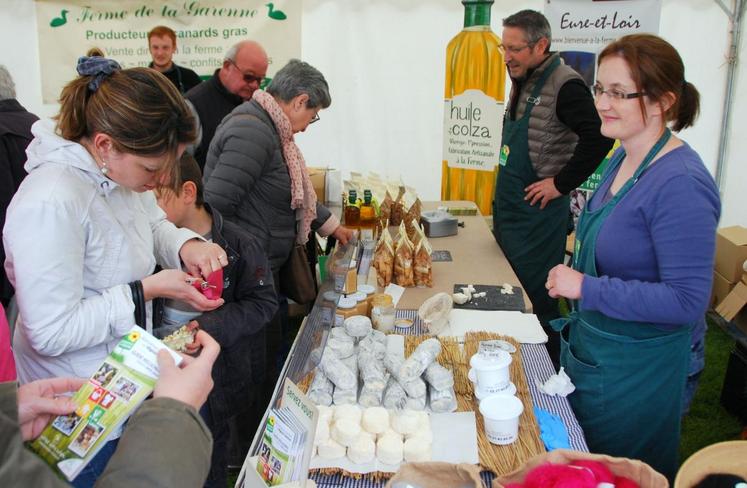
x: 303, y: 197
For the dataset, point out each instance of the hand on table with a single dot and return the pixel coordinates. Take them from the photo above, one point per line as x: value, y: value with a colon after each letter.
x: 41, y: 400
x: 542, y: 191
x: 343, y: 234
x: 192, y: 381
x: 563, y: 281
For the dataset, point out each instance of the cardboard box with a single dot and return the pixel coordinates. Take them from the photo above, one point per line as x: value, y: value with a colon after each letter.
x: 730, y: 306
x: 318, y: 178
x: 731, y: 252
x: 721, y: 288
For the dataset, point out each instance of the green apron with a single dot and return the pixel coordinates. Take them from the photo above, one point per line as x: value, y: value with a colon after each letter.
x: 532, y: 239
x: 629, y: 376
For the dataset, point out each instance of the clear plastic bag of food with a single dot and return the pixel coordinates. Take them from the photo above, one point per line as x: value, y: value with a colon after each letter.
x: 403, y: 261
x: 398, y: 208
x: 385, y: 208
x: 422, y: 263
x: 412, y: 218
x: 383, y: 259
x: 434, y: 313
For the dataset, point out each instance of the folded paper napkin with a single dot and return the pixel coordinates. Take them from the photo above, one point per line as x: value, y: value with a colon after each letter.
x: 557, y: 384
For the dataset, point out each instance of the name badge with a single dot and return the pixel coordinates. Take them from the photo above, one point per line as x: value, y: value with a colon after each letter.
x: 503, y: 158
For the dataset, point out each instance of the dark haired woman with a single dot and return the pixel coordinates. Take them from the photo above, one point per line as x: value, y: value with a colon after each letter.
x: 643, y: 262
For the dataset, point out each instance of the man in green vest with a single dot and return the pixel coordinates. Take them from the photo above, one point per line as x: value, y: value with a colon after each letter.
x: 551, y: 144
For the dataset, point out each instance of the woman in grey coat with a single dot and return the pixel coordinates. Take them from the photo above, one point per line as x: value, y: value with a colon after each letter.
x: 255, y: 174
x: 256, y: 177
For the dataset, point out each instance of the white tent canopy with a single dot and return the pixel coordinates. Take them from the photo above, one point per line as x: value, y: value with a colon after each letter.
x: 384, y: 60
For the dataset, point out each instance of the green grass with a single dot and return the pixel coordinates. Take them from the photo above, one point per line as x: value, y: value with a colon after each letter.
x: 708, y: 422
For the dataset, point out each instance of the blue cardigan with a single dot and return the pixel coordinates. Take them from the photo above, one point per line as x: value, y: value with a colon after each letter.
x: 655, y: 251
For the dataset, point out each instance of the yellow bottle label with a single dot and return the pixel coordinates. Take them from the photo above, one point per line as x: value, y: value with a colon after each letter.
x: 473, y: 62
x: 473, y: 122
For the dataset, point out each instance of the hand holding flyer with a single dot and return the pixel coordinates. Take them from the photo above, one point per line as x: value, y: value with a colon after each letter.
x: 122, y: 382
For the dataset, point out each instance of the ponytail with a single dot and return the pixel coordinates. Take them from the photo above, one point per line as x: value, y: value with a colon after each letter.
x: 71, y: 121
x: 688, y: 107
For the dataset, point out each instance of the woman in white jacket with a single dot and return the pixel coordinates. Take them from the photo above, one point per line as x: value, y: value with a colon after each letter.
x: 83, y: 233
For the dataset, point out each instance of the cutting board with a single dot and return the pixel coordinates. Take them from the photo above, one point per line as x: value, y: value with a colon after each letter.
x: 493, y: 299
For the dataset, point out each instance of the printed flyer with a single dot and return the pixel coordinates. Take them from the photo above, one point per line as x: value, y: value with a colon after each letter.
x: 122, y: 382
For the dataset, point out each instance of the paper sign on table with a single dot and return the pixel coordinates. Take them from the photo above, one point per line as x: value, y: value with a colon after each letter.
x: 524, y: 327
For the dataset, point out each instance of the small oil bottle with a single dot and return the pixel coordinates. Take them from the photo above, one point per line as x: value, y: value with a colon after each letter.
x: 352, y: 211
x: 367, y: 216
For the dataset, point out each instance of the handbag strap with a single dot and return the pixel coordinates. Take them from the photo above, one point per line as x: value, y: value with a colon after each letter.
x: 138, y: 298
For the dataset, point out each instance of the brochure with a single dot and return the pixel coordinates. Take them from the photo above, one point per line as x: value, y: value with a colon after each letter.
x: 281, y: 448
x: 122, y: 382
x: 286, y: 444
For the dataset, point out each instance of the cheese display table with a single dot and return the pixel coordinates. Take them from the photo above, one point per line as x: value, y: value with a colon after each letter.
x: 476, y: 258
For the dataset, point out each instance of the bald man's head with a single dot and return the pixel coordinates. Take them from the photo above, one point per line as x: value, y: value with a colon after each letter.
x: 244, y: 68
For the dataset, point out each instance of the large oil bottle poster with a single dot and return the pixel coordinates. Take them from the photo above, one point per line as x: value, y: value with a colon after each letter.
x: 205, y: 30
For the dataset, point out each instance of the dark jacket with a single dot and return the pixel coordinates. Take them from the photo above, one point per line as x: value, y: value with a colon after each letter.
x: 15, y: 135
x: 212, y: 102
x: 239, y: 325
x: 167, y: 438
x: 184, y: 79
x: 247, y: 179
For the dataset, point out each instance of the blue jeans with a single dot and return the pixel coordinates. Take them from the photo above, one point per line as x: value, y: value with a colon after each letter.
x: 87, y: 478
x: 697, y: 364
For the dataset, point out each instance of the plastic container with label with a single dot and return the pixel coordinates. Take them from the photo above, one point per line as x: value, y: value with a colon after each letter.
x: 382, y: 312
x: 361, y: 302
x: 369, y: 291
x: 346, y: 307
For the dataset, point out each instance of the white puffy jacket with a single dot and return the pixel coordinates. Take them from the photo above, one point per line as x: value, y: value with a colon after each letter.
x: 74, y: 239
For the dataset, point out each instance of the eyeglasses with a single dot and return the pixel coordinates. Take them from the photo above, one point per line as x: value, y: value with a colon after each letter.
x: 512, y: 49
x: 248, y: 78
x: 315, y: 118
x: 615, y: 93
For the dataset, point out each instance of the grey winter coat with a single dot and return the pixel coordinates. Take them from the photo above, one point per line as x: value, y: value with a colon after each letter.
x: 246, y: 179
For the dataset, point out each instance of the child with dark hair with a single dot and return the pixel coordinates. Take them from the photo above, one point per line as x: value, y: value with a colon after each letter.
x: 238, y: 326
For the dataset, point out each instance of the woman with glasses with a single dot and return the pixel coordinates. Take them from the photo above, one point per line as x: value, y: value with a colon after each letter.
x: 643, y: 260
x: 256, y: 176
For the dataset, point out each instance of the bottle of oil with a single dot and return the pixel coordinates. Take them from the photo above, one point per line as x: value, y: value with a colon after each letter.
x: 352, y: 211
x: 473, y: 112
x: 367, y: 216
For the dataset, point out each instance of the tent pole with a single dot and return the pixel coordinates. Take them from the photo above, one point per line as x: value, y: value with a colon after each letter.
x: 735, y: 18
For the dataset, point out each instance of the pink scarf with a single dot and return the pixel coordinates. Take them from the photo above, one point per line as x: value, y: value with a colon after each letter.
x: 303, y: 198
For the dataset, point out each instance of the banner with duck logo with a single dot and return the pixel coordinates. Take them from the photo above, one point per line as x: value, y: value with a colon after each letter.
x: 205, y: 30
